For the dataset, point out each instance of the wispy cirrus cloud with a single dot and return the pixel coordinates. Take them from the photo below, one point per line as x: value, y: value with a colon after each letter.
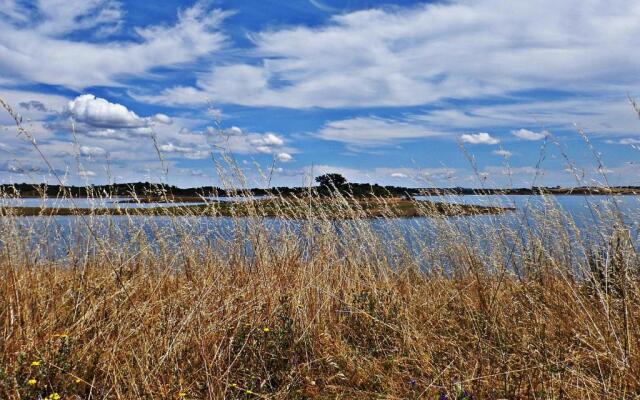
x: 372, y: 131
x: 42, y: 51
x: 421, y: 54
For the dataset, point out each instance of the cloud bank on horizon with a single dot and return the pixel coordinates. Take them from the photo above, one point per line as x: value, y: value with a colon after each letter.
x: 384, y: 94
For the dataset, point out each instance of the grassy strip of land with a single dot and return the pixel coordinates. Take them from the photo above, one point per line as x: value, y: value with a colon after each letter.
x: 298, y: 208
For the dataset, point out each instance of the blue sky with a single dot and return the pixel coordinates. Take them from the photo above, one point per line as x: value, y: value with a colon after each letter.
x: 456, y: 93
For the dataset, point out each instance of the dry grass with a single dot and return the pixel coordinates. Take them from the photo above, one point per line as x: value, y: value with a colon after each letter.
x: 314, y: 306
x: 315, y: 311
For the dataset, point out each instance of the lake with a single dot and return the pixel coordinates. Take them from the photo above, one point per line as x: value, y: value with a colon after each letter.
x: 113, y: 202
x: 589, y: 217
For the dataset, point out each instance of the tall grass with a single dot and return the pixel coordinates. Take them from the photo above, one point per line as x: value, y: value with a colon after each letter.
x: 307, y: 305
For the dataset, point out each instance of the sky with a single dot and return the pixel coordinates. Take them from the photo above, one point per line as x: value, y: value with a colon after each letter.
x: 472, y: 93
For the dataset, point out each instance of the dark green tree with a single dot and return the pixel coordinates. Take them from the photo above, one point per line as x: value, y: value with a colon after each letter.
x: 331, y: 180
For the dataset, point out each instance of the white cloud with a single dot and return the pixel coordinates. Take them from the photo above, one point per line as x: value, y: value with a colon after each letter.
x: 101, y: 113
x: 399, y: 175
x: 92, y: 151
x: 163, y: 119
x: 234, y: 140
x: 479, y: 138
x: 502, y: 170
x: 609, y: 115
x: 215, y: 131
x: 193, y: 153
x: 268, y: 139
x: 171, y: 148
x: 502, y: 153
x: 625, y: 141
x: 86, y: 173
x: 372, y: 131
x: 45, y: 53
x: 267, y: 143
x: 11, y: 9
x: 284, y: 157
x: 529, y: 135
x: 233, y: 131
x: 61, y: 17
x: 422, y: 54
x: 264, y: 149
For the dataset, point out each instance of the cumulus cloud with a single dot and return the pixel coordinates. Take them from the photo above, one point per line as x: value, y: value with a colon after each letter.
x: 399, y: 175
x: 529, y: 135
x: 99, y: 118
x: 267, y: 140
x: 284, y: 157
x: 266, y: 143
x: 235, y: 140
x: 101, y: 113
x: 233, y: 131
x: 479, y: 138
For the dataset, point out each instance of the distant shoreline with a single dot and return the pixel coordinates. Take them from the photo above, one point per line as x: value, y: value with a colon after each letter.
x: 144, y: 190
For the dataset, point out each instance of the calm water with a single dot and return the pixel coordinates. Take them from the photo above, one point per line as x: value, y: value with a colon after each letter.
x: 592, y: 216
x: 581, y: 208
x: 115, y: 202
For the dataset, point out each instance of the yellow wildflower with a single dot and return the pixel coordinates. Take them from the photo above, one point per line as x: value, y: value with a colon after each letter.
x: 54, y: 396
x: 35, y: 363
x: 248, y: 391
x: 266, y: 330
x: 182, y: 394
x: 78, y: 380
x: 32, y: 382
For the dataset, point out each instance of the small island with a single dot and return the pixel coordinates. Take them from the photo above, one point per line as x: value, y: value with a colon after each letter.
x: 285, y: 208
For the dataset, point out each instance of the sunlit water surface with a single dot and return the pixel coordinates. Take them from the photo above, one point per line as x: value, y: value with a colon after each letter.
x: 582, y: 218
